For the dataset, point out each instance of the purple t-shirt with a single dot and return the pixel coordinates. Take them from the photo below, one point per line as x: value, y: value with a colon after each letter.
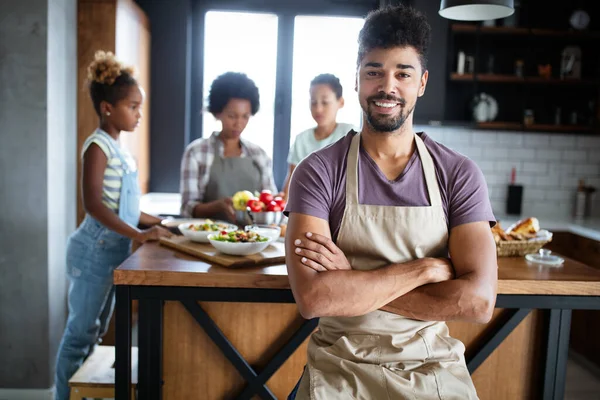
x: 318, y: 186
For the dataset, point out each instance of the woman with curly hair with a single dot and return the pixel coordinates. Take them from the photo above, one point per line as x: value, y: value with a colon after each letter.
x: 111, y: 198
x: 214, y: 168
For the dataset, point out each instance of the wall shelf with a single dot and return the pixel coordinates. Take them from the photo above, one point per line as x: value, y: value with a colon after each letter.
x: 500, y: 78
x: 506, y: 30
x: 501, y: 30
x: 535, y: 43
x: 516, y: 126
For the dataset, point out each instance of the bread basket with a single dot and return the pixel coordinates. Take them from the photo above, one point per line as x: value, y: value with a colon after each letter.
x: 520, y: 248
x: 522, y: 238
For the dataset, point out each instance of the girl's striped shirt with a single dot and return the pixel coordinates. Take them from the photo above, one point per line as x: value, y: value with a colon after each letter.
x: 113, y: 174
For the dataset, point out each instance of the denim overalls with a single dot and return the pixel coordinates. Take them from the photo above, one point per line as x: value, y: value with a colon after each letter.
x: 93, y: 252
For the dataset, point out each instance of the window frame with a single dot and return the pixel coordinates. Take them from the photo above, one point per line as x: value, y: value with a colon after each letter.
x: 286, y: 11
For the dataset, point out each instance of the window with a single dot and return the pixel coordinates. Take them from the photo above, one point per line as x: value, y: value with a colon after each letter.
x: 324, y: 45
x: 254, y: 53
x: 282, y: 46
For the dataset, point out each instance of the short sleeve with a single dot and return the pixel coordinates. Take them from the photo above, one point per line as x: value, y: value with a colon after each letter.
x: 100, y: 143
x: 294, y: 156
x: 311, y: 189
x: 468, y: 196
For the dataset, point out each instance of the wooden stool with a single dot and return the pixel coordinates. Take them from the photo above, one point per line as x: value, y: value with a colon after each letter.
x: 96, y: 376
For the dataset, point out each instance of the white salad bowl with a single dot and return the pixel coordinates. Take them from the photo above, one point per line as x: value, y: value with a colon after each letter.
x: 239, y: 248
x: 270, y: 231
x: 202, y: 236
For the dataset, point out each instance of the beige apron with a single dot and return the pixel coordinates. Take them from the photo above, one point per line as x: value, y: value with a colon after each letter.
x: 382, y: 355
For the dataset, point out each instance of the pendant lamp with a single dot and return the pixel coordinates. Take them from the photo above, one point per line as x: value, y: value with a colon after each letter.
x: 476, y: 10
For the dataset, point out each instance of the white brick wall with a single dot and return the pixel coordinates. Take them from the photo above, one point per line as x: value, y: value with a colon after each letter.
x: 548, y: 165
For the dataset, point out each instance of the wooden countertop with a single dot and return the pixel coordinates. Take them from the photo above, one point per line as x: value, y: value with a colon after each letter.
x: 155, y: 265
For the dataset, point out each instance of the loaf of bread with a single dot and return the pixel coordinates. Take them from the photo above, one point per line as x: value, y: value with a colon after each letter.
x: 499, y: 233
x: 525, y: 227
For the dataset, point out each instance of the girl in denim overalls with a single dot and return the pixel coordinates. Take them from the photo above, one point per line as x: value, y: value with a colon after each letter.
x: 111, y: 197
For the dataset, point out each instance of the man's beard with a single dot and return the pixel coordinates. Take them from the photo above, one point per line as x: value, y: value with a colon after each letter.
x: 383, y: 122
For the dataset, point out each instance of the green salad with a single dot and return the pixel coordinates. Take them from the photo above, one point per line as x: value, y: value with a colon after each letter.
x: 240, y: 237
x: 209, y: 226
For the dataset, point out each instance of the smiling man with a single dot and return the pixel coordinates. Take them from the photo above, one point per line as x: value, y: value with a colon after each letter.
x: 388, y: 237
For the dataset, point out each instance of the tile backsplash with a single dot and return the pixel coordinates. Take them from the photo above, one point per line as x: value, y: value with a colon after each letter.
x: 548, y: 165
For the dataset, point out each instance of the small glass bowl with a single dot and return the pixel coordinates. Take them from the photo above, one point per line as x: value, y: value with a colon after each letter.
x: 544, y: 257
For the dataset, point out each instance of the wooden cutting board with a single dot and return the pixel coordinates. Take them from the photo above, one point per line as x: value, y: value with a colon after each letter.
x: 273, y: 254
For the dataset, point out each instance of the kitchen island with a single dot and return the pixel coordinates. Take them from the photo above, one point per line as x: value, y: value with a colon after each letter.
x: 215, y: 333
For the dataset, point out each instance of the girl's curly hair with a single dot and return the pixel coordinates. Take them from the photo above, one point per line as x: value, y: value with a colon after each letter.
x: 108, y: 79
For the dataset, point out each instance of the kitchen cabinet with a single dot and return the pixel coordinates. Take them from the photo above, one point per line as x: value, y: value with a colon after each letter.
x: 583, y: 322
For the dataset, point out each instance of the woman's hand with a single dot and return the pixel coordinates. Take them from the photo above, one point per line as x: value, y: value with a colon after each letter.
x: 320, y: 253
x: 225, y: 205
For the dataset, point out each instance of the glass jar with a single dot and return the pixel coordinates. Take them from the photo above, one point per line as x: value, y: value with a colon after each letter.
x: 528, y: 118
x: 519, y: 68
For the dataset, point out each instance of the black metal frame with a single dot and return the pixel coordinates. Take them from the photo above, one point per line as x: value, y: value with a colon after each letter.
x: 151, y: 300
x: 504, y: 326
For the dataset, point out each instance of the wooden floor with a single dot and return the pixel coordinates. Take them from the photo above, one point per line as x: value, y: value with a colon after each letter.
x: 583, y: 380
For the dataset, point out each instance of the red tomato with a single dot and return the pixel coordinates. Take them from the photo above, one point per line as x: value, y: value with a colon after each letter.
x: 266, y: 196
x: 273, y: 206
x: 280, y: 202
x: 255, y: 205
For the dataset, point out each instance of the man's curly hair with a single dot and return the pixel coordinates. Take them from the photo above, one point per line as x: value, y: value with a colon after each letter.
x: 395, y: 26
x: 232, y: 85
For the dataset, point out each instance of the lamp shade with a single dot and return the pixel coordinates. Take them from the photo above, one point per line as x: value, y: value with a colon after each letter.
x: 476, y: 10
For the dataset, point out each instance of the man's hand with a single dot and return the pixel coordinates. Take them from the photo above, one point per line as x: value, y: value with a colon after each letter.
x: 320, y: 253
x: 347, y: 292
x: 471, y: 295
x: 441, y: 269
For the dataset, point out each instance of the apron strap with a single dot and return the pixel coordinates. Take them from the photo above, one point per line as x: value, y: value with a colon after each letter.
x: 352, y: 171
x: 433, y: 188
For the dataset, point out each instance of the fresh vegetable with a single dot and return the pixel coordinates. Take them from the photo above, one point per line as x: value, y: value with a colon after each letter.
x: 258, y: 202
x: 255, y: 205
x: 266, y: 197
x: 240, y: 199
x: 280, y: 202
x: 273, y: 206
x: 240, y: 237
